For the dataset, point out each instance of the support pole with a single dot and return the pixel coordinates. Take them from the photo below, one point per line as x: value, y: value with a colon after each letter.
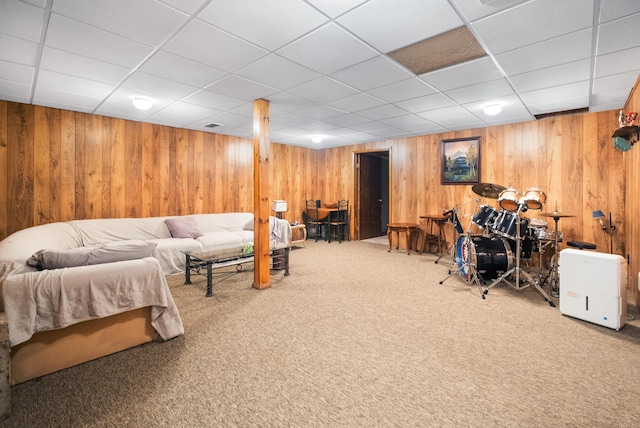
x: 261, y: 209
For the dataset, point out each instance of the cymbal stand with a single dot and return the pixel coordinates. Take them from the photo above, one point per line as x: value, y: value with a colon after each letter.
x: 529, y: 280
x: 464, y: 263
x: 552, y: 275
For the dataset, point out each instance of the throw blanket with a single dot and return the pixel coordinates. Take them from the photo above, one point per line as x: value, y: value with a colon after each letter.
x: 280, y: 232
x: 53, y: 299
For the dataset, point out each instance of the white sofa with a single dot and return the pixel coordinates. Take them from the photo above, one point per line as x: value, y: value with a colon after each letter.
x: 114, y: 284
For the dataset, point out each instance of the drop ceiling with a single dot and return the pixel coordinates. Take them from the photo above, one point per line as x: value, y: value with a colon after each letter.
x: 323, y: 65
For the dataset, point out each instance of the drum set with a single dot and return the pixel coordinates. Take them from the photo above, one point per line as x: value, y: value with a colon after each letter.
x: 499, y: 242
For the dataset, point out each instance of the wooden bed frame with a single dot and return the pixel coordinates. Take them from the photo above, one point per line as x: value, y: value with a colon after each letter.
x: 49, y: 351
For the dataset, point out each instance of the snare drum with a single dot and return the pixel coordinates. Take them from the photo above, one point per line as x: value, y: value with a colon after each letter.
x: 485, y: 217
x: 506, y: 226
x: 508, y: 199
x: 534, y: 199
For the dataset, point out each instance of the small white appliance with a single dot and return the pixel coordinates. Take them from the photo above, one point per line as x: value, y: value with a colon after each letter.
x: 593, y: 287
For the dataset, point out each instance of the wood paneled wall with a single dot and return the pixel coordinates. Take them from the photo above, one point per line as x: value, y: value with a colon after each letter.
x: 632, y: 202
x: 57, y: 165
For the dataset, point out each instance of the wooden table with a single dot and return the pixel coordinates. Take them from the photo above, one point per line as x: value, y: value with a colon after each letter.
x: 407, y: 228
x: 429, y: 236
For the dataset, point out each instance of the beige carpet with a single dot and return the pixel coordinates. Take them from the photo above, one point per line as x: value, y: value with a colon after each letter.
x: 356, y: 336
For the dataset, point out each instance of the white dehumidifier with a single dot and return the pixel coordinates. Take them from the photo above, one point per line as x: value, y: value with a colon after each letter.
x: 593, y: 287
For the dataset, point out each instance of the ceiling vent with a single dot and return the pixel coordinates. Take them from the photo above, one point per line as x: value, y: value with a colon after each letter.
x: 444, y: 50
x: 561, y: 113
x: 212, y: 125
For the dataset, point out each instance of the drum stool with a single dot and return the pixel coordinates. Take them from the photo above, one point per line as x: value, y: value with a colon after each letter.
x: 582, y: 245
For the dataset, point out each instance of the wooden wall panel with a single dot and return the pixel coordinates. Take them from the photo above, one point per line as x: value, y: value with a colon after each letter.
x: 4, y: 170
x: 20, y: 160
x: 632, y: 202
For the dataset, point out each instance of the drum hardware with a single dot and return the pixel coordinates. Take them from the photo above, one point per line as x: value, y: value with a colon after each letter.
x: 552, y: 275
x: 529, y: 280
x: 457, y: 228
x: 466, y: 267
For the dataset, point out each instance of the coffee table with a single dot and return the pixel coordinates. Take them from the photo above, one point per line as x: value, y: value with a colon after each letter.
x: 196, y: 261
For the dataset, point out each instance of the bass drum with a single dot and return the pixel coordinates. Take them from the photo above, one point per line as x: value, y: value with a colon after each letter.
x: 492, y: 256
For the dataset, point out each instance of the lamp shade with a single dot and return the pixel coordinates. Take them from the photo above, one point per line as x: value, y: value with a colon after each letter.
x: 278, y: 205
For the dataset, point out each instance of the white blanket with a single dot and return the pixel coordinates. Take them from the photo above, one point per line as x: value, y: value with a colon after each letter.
x: 53, y: 299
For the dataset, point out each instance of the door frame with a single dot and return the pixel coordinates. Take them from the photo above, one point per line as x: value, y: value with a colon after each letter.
x: 355, y: 212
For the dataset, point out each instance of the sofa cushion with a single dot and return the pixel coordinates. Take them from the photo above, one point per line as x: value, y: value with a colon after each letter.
x: 183, y: 227
x: 82, y: 256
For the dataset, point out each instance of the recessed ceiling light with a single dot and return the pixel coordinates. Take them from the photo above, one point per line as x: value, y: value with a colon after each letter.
x: 142, y: 103
x: 316, y: 139
x: 492, y: 109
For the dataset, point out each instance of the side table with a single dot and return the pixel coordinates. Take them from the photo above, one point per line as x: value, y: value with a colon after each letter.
x: 301, y: 231
x: 407, y: 228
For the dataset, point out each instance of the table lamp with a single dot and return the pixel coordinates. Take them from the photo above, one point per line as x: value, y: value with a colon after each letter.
x: 278, y: 206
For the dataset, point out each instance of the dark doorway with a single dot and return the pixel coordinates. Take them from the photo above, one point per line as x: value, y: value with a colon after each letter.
x: 372, y: 194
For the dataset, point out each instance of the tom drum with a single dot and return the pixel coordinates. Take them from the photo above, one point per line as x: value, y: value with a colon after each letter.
x: 485, y: 217
x: 506, y: 226
x: 508, y: 199
x: 534, y: 199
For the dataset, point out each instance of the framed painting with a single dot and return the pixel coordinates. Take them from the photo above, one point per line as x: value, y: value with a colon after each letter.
x: 461, y: 161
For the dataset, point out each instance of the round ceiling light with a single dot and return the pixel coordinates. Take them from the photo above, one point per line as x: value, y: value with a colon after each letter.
x: 492, y: 109
x: 316, y: 139
x: 142, y: 103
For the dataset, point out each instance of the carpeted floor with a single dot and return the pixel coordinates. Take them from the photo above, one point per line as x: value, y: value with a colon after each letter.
x: 356, y: 336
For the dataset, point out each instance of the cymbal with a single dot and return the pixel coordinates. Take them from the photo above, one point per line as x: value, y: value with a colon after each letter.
x: 488, y: 190
x: 556, y: 214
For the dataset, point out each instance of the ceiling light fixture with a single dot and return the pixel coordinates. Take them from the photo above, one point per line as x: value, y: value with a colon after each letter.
x: 142, y: 103
x: 492, y: 109
x: 316, y: 139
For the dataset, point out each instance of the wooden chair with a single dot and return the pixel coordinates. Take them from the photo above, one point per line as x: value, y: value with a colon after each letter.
x: 316, y: 226
x: 339, y: 222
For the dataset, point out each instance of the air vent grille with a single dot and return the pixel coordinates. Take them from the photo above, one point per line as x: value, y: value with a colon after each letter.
x: 212, y: 125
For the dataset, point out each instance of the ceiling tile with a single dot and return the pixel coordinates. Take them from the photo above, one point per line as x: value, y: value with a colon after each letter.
x: 188, y: 6
x: 60, y: 99
x: 468, y: 73
x: 560, y: 98
x: 553, y: 76
x: 382, y: 112
x: 531, y: 23
x: 429, y: 102
x: 377, y: 22
x: 155, y: 86
x: 270, y: 25
x: 356, y: 102
x: 373, y: 73
x: 179, y: 69
x: 561, y: 50
x: 21, y: 20
x: 22, y: 51
x: 81, y: 66
x: 277, y: 72
x: 237, y: 87
x: 335, y: 8
x: 323, y: 90
x: 146, y: 21
x: 618, y: 35
x: 15, y: 91
x: 481, y: 91
x: 403, y: 90
x: 215, y: 101
x: 182, y: 114
x: 317, y: 50
x: 614, y: 9
x: 75, y: 37
x: 454, y: 118
x: 618, y: 62
x: 214, y: 47
x: 16, y: 73
x: 72, y: 84
x: 615, y: 82
x: 476, y: 9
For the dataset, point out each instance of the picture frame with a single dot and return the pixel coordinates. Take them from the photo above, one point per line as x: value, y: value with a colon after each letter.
x: 460, y: 161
